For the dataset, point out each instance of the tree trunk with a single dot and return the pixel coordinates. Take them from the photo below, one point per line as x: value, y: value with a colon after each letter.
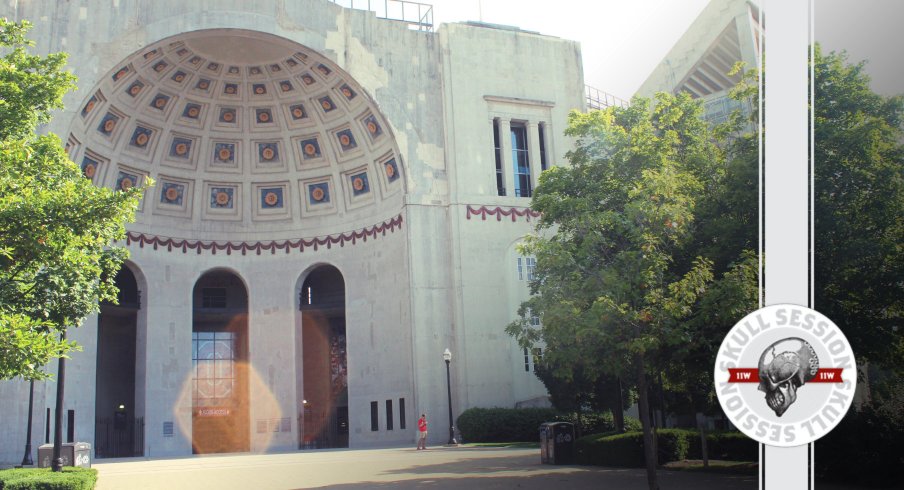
x: 618, y: 412
x: 579, y: 426
x: 649, y: 448
x: 703, y: 449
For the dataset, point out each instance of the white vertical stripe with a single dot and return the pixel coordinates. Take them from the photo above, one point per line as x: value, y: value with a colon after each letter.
x: 787, y: 183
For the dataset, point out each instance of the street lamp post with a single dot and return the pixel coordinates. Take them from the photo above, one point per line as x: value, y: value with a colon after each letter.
x: 447, y: 356
x: 57, y: 462
x: 26, y: 460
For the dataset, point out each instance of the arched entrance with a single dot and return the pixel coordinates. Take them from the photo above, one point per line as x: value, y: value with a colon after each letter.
x: 323, y: 404
x: 220, y: 402
x: 118, y: 429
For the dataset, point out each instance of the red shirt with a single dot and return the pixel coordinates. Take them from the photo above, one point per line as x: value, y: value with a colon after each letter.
x: 422, y: 424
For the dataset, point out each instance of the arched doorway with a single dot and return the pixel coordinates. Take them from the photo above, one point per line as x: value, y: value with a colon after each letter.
x: 323, y: 404
x: 220, y: 402
x: 118, y: 429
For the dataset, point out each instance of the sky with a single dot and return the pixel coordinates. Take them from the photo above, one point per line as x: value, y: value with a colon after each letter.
x: 623, y: 40
x: 868, y: 30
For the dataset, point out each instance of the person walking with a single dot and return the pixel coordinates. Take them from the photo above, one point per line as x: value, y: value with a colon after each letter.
x: 422, y: 432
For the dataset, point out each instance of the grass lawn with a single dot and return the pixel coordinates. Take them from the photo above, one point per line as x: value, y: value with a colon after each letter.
x: 715, y: 466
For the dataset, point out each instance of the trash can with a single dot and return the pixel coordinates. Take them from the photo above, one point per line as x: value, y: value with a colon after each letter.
x: 557, y: 443
x: 73, y: 454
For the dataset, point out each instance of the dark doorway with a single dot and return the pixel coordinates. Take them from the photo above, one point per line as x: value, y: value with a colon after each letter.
x: 323, y: 408
x: 118, y: 429
x: 220, y: 404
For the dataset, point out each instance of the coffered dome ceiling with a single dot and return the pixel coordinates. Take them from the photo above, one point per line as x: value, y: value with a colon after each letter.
x: 244, y: 134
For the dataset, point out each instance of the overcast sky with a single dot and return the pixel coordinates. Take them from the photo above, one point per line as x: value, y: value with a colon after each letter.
x: 623, y: 40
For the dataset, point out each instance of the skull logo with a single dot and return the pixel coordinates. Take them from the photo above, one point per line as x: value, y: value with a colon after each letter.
x: 784, y: 367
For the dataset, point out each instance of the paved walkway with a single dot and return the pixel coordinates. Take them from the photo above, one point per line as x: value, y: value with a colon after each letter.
x: 437, y: 468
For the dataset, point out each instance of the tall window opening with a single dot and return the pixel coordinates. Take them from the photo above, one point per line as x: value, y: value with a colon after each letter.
x: 220, y: 403
x: 537, y: 357
x: 118, y: 422
x: 388, y: 414
x: 520, y: 161
x: 531, y: 263
x: 500, y: 180
x: 322, y: 367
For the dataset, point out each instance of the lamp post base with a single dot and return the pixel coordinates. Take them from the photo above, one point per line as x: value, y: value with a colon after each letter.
x: 26, y: 460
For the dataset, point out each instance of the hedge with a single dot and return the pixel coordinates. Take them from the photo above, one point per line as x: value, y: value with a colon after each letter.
x: 71, y: 478
x: 726, y: 446
x: 601, y: 423
x: 523, y: 424
x: 626, y: 450
x: 866, y: 448
x: 504, y: 424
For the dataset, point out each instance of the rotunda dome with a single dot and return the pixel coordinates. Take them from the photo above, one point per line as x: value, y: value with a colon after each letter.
x: 247, y: 136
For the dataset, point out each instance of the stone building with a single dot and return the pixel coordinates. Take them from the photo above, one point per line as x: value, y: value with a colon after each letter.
x: 337, y: 199
x: 725, y: 32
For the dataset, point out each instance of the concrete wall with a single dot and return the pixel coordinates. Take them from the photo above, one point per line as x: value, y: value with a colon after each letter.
x: 439, y: 281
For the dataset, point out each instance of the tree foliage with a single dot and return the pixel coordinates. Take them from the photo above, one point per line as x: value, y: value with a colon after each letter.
x: 622, y: 284
x: 859, y: 209
x: 56, y: 227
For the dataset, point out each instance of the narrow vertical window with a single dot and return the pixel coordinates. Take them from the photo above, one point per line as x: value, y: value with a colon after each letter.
x: 538, y: 357
x: 374, y: 417
x: 402, y: 413
x: 542, y: 129
x: 388, y: 414
x: 534, y: 321
x: 531, y: 267
x: 500, y: 180
x: 520, y: 162
x: 70, y: 426
x: 526, y: 361
x: 520, y: 270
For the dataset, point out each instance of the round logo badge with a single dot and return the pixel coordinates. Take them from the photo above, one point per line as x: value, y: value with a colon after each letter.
x: 785, y: 375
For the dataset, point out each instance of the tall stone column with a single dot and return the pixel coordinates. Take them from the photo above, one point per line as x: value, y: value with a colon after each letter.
x: 493, y: 131
x: 508, y: 172
x: 533, y: 152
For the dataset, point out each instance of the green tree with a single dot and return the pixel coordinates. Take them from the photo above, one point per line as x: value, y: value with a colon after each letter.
x: 859, y: 209
x: 607, y: 286
x: 56, y: 227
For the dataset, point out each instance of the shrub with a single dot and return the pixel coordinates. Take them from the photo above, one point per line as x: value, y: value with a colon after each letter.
x: 601, y: 423
x: 44, y: 479
x: 523, y: 424
x: 504, y: 424
x: 623, y: 450
x: 626, y: 450
x: 727, y: 446
x: 866, y: 448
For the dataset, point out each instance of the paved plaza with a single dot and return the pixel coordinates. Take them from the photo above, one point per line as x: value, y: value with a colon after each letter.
x: 437, y: 468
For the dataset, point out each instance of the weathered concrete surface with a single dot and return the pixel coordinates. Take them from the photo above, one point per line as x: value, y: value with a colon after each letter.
x: 392, y: 468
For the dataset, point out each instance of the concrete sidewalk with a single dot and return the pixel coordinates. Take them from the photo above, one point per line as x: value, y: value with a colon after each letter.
x: 438, y: 468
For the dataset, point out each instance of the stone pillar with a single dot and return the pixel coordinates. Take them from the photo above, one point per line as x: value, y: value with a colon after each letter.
x: 493, y: 130
x: 167, y: 364
x: 533, y: 152
x: 508, y: 172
